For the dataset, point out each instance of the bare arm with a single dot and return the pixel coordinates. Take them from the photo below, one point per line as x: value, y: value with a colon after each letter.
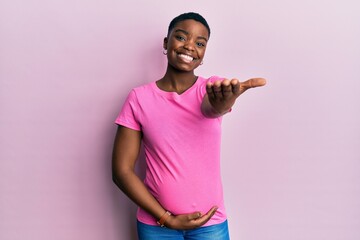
x: 125, y: 153
x: 221, y: 95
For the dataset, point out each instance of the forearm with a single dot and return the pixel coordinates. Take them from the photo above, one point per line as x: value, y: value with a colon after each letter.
x: 135, y: 189
x: 125, y: 153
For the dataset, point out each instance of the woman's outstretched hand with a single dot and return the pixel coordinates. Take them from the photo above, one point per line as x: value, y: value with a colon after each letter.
x: 189, y: 221
x: 222, y: 94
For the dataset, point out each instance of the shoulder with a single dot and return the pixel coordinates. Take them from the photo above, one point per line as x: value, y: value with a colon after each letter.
x: 142, y: 90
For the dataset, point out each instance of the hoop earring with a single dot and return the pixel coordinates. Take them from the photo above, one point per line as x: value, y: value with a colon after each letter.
x: 165, y: 52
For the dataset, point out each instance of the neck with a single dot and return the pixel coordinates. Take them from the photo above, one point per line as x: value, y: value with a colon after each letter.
x: 176, y: 81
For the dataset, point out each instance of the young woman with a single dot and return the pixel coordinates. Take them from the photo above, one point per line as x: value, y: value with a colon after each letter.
x: 178, y: 120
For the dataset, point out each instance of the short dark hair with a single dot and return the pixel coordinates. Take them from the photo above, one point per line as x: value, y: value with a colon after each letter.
x: 186, y: 16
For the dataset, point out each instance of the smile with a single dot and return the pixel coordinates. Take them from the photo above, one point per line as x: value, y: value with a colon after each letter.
x: 185, y: 58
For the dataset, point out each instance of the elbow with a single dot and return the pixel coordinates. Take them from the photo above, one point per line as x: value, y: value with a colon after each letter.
x: 119, y: 175
x: 114, y: 178
x: 115, y: 174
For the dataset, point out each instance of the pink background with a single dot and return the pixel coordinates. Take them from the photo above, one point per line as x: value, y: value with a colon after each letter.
x: 291, y: 158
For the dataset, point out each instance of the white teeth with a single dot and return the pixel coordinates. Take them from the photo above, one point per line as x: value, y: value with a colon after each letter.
x: 186, y: 58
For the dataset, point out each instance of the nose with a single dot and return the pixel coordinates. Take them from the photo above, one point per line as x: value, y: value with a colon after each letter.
x: 189, y: 45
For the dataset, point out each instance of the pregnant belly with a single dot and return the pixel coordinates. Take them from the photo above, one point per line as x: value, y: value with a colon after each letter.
x: 188, y: 195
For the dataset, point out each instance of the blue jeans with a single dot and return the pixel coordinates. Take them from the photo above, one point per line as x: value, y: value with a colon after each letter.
x: 214, y: 232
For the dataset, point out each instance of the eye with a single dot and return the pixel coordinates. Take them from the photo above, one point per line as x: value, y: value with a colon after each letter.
x: 180, y: 38
x: 200, y: 44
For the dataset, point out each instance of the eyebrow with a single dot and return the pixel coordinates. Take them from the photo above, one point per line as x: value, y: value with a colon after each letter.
x: 187, y: 33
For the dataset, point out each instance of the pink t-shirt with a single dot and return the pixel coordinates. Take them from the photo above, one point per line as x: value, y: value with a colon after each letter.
x: 182, y: 149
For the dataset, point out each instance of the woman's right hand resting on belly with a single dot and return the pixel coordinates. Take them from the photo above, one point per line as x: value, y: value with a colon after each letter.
x: 189, y: 221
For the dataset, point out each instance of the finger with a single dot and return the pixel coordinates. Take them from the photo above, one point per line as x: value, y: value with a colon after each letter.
x: 226, y: 88
x: 217, y: 89
x: 235, y: 86
x: 209, y: 90
x: 194, y: 216
x: 206, y: 217
x: 253, y: 83
x: 211, y: 212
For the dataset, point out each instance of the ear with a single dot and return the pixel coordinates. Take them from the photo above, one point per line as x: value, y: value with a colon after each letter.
x: 165, y: 43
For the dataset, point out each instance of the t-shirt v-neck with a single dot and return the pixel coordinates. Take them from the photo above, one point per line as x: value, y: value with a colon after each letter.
x: 175, y: 95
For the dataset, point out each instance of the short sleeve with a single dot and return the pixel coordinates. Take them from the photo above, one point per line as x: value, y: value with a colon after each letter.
x: 129, y: 114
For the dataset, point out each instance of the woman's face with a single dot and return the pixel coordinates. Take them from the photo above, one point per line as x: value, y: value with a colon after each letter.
x: 186, y: 45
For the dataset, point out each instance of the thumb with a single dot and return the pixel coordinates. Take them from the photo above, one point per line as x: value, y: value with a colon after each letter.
x: 253, y: 82
x: 193, y: 216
